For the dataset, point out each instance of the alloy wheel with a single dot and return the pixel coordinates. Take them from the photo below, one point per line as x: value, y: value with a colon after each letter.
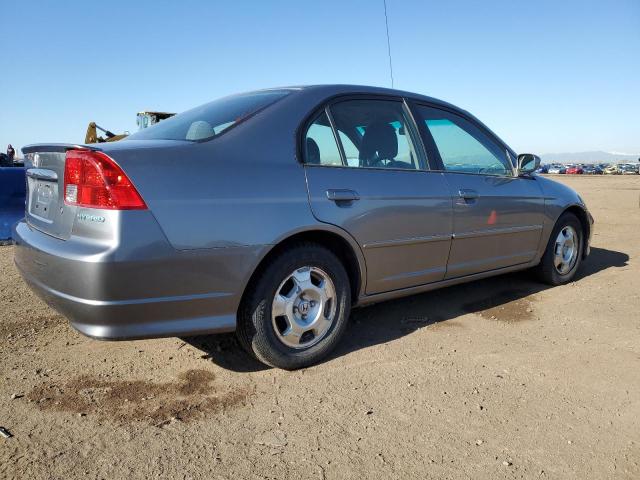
x: 565, y: 253
x: 304, y: 307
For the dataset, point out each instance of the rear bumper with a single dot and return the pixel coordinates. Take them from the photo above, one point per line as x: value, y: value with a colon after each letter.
x: 125, y: 290
x: 138, y: 318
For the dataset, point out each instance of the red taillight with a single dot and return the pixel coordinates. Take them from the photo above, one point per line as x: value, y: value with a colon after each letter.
x: 93, y: 180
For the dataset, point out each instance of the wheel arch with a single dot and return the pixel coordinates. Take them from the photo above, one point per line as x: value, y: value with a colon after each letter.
x: 583, y: 217
x: 337, y: 241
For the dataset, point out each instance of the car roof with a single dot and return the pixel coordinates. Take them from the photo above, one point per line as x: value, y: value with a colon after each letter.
x: 330, y: 90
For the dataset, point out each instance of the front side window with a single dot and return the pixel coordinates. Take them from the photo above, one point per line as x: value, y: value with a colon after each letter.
x: 207, y: 121
x: 463, y: 147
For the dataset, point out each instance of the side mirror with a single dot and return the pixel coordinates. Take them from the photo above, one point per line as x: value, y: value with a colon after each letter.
x: 528, y: 163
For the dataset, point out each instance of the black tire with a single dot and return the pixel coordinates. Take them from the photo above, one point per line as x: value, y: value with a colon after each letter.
x: 255, y: 329
x: 546, y: 271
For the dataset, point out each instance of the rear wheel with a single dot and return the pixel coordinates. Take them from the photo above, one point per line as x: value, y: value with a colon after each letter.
x: 563, y: 254
x: 296, y: 311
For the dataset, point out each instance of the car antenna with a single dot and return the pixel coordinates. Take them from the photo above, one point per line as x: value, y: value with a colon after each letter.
x: 386, y: 22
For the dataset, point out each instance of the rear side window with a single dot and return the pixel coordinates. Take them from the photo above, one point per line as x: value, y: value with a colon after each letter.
x: 212, y: 119
x: 375, y: 134
x: 350, y: 150
x: 371, y: 133
x: 320, y: 144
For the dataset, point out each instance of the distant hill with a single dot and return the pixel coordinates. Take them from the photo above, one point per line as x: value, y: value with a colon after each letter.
x: 590, y: 157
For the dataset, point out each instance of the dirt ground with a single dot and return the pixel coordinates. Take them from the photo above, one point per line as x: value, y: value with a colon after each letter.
x: 502, y: 378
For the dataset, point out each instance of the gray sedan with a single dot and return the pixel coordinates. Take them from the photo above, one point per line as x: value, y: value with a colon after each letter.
x: 273, y: 213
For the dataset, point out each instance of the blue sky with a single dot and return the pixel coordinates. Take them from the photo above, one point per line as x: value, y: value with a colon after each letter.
x: 547, y: 76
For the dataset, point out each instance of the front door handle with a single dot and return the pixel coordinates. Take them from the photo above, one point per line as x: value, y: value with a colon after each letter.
x: 342, y: 195
x: 467, y: 194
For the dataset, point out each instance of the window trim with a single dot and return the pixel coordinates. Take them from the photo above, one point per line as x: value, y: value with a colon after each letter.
x: 336, y: 138
x: 423, y: 164
x: 426, y: 160
x: 483, y: 129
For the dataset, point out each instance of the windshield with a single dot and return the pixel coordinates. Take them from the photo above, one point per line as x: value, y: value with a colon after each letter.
x: 211, y: 119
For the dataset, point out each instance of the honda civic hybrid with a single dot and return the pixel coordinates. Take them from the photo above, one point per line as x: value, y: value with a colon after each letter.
x: 273, y: 213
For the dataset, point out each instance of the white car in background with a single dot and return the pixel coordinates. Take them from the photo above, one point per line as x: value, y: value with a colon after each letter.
x: 628, y: 169
x: 557, y: 169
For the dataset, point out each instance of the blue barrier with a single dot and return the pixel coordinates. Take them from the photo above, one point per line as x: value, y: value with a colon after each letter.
x: 12, y: 198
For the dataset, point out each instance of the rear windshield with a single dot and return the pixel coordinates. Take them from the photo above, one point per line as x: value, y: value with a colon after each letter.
x: 211, y: 119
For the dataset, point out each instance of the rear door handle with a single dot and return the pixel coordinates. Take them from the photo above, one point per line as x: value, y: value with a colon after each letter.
x: 467, y: 194
x: 342, y: 195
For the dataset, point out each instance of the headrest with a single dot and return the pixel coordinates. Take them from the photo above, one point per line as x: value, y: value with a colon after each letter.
x: 200, y: 130
x: 379, y: 138
x: 313, y: 152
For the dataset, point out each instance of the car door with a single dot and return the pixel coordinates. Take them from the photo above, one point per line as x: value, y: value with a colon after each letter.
x: 498, y: 216
x: 366, y: 173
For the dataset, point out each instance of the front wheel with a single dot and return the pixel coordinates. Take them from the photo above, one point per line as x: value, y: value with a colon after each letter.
x: 297, y: 310
x: 563, y: 254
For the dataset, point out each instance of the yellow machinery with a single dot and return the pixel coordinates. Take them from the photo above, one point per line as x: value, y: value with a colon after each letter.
x: 143, y: 119
x: 93, y: 137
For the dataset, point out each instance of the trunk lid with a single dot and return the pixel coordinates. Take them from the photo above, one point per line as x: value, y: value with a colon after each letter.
x: 45, y: 209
